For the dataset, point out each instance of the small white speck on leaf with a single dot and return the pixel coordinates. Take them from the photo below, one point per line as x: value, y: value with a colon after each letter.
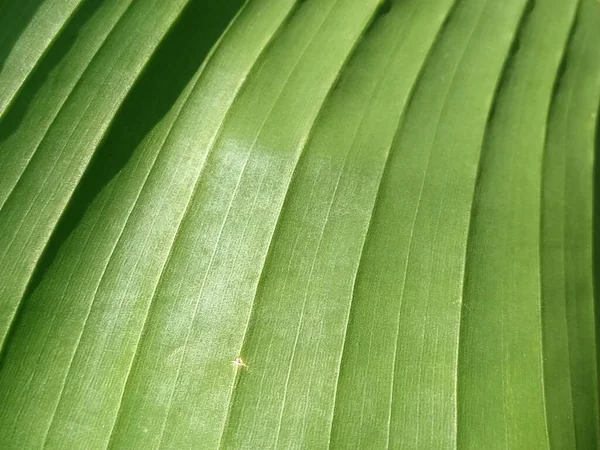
x: 239, y: 363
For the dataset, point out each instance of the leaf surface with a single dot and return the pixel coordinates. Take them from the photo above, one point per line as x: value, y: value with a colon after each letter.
x: 567, y: 234
x: 45, y: 183
x: 298, y: 224
x: 29, y: 28
x: 503, y: 370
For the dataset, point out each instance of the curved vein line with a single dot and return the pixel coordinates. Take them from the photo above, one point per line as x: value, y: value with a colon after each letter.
x: 305, y: 300
x: 104, y: 271
x: 469, y: 240
x: 278, y: 221
x: 417, y: 210
x: 70, y: 197
x: 143, y: 325
x: 211, y: 145
x: 567, y: 118
x: 7, y: 250
x: 118, y: 241
x: 68, y: 140
x: 291, y: 259
x: 208, y: 269
x: 424, y: 321
x: 11, y: 98
x: 18, y: 228
x: 103, y: 132
x: 384, y: 170
x: 61, y: 297
x: 294, y: 174
x: 205, y: 278
x: 61, y: 107
x: 565, y: 51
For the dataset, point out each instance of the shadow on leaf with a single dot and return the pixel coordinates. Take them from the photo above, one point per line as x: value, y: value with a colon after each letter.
x: 174, y: 63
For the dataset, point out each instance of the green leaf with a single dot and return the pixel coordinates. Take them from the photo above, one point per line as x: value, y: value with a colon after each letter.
x: 28, y: 30
x: 567, y: 225
x: 298, y: 224
x: 503, y: 264
x: 46, y: 167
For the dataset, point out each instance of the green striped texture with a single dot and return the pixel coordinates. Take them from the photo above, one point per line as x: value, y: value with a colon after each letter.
x: 284, y: 224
